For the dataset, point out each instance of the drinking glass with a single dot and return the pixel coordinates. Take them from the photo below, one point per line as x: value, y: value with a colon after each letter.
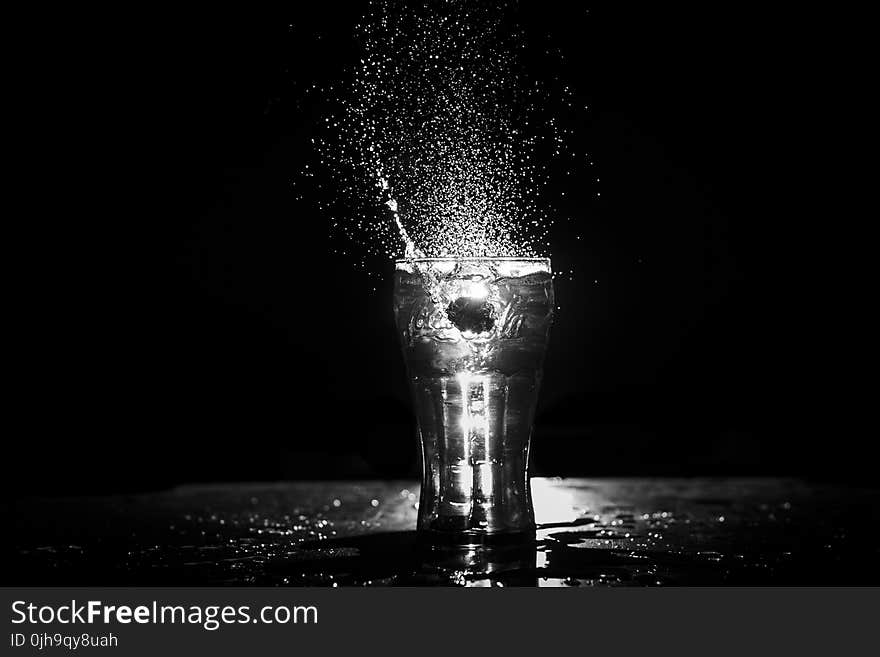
x: 474, y: 332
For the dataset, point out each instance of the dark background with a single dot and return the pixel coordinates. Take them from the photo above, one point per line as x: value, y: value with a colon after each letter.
x: 189, y: 323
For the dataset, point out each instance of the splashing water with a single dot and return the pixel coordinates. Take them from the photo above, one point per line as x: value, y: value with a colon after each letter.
x: 438, y: 129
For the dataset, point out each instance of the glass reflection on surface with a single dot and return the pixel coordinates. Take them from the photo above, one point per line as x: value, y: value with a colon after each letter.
x: 481, y: 566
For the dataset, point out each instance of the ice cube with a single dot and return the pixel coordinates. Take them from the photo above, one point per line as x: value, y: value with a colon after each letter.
x: 471, y: 314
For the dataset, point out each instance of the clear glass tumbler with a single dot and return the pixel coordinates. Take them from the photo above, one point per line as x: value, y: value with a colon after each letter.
x: 474, y: 333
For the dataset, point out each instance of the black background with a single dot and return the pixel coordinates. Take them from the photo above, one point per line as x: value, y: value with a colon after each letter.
x: 186, y: 320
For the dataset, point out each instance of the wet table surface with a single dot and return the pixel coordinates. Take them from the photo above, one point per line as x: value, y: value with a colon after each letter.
x: 599, y: 532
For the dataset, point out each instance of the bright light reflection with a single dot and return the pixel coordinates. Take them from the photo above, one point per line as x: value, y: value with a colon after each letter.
x: 553, y: 503
x: 475, y: 434
x: 477, y: 290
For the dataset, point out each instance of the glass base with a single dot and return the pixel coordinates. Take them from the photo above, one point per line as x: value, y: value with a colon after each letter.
x: 470, y: 538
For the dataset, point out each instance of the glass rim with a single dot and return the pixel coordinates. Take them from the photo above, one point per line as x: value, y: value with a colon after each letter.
x: 404, y: 261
